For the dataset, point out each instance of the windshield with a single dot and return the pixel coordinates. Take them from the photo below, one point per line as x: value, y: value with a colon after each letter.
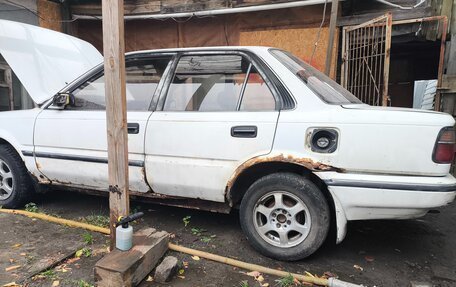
x: 328, y: 90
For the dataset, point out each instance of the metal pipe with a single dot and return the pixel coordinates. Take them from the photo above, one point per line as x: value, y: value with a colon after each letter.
x: 214, y: 12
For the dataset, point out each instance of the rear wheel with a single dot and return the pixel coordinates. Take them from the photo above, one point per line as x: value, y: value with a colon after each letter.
x: 285, y: 216
x: 15, y: 183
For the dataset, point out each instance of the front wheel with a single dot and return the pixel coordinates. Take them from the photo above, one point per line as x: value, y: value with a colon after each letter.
x: 15, y: 183
x: 285, y: 216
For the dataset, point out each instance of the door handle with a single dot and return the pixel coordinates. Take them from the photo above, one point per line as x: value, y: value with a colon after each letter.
x: 244, y: 131
x: 133, y: 128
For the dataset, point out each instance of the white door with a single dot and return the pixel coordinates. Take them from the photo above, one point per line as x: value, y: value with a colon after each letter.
x: 71, y: 144
x: 217, y: 112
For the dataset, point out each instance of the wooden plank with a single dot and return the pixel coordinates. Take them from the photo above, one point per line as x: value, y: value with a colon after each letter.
x: 332, y: 30
x: 418, y: 12
x: 299, y: 41
x: 178, y: 6
x: 343, y: 68
x: 116, y: 111
x: 451, y: 69
x: 129, y: 268
x: 130, y: 8
x: 389, y: 28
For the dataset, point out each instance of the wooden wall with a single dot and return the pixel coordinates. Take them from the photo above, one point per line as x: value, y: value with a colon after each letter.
x: 50, y: 15
x: 291, y: 29
x: 299, y: 41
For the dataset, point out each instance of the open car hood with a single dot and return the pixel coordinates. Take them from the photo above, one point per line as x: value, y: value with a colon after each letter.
x: 45, y: 61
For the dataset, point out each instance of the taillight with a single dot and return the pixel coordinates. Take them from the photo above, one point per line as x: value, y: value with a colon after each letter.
x: 444, y: 147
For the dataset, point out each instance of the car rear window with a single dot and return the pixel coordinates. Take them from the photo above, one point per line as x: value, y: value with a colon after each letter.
x: 327, y: 89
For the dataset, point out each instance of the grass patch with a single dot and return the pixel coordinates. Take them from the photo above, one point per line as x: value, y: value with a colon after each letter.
x: 31, y: 207
x: 87, y: 238
x: 97, y: 220
x: 48, y: 275
x: 186, y: 220
x: 86, y: 252
x: 78, y: 283
x: 198, y: 231
x: 286, y: 281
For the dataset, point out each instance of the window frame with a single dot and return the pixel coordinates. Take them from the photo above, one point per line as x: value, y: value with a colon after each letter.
x: 245, y: 55
x: 98, y: 71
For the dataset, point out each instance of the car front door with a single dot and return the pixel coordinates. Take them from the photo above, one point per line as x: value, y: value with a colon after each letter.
x: 71, y: 144
x: 217, y: 112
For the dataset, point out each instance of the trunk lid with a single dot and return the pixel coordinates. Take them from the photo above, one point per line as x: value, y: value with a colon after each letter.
x: 390, y: 140
x: 397, y: 109
x: 45, y: 61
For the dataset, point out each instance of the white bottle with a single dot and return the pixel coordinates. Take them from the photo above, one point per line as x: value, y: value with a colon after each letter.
x: 124, y: 237
x: 124, y: 232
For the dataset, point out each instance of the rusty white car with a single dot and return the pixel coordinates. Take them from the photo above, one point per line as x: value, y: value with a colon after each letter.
x: 219, y: 128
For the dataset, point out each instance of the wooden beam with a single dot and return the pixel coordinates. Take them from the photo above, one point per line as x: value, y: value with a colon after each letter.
x: 418, y: 12
x: 332, y: 30
x: 129, y: 268
x: 130, y: 8
x: 116, y: 110
x: 389, y: 28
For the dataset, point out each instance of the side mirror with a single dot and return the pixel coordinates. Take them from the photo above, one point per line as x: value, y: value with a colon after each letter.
x: 62, y: 100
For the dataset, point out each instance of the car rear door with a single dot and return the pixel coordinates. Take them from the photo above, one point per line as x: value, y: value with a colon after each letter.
x: 217, y: 111
x: 71, y: 144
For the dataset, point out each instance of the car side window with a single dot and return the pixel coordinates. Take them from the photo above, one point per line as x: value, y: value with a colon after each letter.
x: 207, y: 83
x: 215, y: 83
x: 142, y: 78
x: 257, y: 95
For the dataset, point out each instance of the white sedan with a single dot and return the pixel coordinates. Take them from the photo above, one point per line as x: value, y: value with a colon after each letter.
x: 253, y: 128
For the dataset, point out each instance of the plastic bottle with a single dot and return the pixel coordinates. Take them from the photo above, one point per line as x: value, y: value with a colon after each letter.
x: 124, y: 237
x: 124, y: 232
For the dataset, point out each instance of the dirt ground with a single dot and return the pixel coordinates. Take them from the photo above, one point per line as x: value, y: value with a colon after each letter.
x: 385, y: 253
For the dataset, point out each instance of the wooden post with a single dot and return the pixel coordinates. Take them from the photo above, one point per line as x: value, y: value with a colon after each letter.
x: 116, y: 110
x: 332, y: 31
x: 389, y: 28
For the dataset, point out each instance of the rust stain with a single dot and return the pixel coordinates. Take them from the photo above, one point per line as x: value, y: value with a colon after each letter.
x: 305, y: 162
x: 61, y: 182
x: 38, y: 165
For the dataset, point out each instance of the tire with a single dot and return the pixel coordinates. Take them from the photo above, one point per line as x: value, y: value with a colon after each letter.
x: 15, y: 183
x: 285, y: 216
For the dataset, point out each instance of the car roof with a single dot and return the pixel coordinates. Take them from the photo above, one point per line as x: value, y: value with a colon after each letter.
x: 254, y: 49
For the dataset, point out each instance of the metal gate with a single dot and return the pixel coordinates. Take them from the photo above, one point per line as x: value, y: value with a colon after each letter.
x: 365, y: 60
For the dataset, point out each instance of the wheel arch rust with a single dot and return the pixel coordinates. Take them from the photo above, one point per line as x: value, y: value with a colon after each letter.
x: 255, y: 168
x: 263, y: 165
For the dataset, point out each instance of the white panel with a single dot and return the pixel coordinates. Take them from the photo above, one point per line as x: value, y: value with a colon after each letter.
x: 83, y: 134
x: 193, y: 154
x: 45, y: 61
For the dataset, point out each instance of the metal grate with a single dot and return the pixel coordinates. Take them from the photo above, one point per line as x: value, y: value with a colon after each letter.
x: 365, y: 65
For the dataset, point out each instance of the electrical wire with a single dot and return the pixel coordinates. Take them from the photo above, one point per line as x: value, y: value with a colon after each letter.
x: 317, y: 38
x: 399, y: 6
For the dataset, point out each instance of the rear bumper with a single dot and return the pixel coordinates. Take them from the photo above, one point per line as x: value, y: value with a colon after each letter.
x: 389, y: 197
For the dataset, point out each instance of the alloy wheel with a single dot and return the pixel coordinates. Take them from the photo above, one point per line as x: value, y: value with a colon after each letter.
x: 6, y: 181
x: 282, y: 219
